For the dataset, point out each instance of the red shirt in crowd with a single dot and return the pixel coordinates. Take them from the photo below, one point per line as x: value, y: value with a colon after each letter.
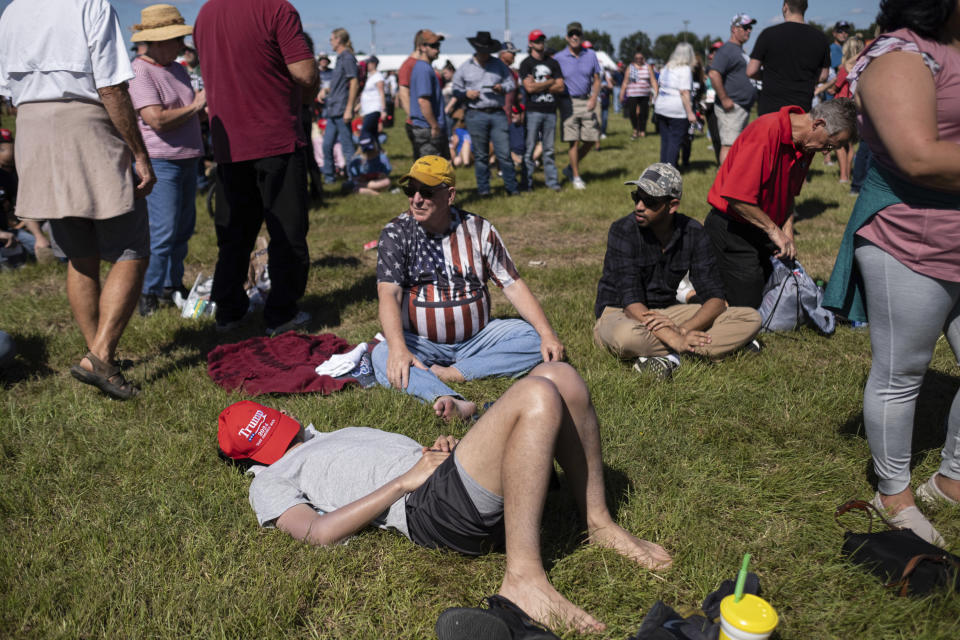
x: 763, y: 168
x: 403, y: 75
x: 254, y: 103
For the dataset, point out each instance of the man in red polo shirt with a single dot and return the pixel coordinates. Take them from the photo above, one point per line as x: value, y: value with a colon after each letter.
x: 752, y: 195
x: 258, y: 70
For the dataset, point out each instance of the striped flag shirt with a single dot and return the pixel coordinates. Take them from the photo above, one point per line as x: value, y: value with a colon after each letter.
x: 444, y: 277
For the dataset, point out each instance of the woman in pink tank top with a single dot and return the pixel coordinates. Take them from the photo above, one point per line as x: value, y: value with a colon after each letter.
x: 639, y: 82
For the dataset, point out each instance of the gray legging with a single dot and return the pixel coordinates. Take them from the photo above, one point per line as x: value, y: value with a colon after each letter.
x: 907, y: 313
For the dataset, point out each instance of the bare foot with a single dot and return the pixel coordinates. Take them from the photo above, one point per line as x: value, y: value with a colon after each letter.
x: 643, y: 552
x: 447, y: 374
x: 448, y: 407
x: 546, y: 605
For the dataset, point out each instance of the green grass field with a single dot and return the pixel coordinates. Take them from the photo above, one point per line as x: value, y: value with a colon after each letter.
x: 118, y: 519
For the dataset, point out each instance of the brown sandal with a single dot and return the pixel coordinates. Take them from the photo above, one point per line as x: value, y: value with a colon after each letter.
x: 106, y: 377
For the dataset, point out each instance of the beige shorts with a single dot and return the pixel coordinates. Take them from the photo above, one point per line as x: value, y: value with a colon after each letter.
x: 583, y: 124
x: 72, y: 162
x: 731, y: 123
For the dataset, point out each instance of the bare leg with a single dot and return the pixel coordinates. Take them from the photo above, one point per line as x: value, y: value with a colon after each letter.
x: 447, y: 374
x: 574, y: 160
x: 583, y: 148
x: 83, y: 293
x: 578, y: 451
x: 448, y: 407
x: 510, y: 452
x: 117, y: 300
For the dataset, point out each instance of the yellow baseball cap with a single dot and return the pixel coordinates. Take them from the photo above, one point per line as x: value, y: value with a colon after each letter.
x: 431, y: 171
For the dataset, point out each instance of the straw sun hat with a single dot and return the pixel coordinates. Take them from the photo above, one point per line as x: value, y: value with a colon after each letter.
x: 160, y: 22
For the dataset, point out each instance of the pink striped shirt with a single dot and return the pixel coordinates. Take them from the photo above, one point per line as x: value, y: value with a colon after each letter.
x: 168, y: 87
x: 638, y: 81
x: 444, y: 277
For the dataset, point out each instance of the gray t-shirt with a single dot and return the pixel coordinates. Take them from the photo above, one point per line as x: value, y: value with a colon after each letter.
x: 731, y: 63
x: 346, y: 68
x: 332, y: 470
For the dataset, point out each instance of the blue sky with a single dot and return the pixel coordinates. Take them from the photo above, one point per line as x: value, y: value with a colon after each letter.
x: 398, y: 21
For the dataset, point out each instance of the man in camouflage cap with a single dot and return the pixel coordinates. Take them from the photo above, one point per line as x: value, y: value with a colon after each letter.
x: 648, y: 252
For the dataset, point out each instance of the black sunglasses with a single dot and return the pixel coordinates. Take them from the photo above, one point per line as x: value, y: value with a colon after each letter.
x: 650, y: 202
x: 574, y: 34
x: 746, y: 27
x: 435, y: 45
x: 425, y: 192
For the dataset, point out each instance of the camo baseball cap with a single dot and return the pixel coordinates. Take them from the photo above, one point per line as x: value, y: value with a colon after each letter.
x: 660, y: 180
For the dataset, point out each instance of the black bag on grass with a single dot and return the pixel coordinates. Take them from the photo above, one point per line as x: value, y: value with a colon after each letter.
x: 899, y: 557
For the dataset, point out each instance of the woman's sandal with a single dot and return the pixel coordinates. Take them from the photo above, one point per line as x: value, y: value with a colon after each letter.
x: 105, y: 376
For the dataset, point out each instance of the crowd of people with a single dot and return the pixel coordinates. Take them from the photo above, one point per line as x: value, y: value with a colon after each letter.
x: 125, y: 144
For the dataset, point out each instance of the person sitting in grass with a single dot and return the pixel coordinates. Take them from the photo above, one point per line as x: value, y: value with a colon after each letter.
x: 433, y: 265
x: 648, y: 253
x: 370, y: 172
x: 470, y: 495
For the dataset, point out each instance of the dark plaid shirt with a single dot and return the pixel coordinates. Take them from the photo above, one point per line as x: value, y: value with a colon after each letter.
x: 635, y: 268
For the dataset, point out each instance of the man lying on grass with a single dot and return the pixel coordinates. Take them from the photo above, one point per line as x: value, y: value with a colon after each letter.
x: 490, y: 491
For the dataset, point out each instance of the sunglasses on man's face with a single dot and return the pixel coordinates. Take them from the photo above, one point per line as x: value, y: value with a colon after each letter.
x: 649, y: 202
x: 574, y: 34
x: 746, y: 27
x: 425, y: 192
x: 434, y: 45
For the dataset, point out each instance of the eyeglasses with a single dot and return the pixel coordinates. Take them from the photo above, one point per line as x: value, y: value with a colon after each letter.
x: 425, y: 192
x: 649, y: 202
x: 574, y: 34
x: 434, y: 45
x: 746, y: 27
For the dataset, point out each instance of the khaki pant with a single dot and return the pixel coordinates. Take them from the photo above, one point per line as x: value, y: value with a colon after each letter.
x: 626, y: 338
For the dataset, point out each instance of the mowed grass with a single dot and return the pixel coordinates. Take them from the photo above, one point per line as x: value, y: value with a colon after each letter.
x: 118, y: 519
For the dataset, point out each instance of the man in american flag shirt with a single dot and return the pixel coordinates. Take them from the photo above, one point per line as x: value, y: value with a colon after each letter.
x: 433, y: 264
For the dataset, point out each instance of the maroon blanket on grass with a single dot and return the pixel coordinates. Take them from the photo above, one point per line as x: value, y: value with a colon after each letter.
x: 284, y: 364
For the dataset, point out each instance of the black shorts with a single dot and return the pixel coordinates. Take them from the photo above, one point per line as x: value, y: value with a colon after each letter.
x: 441, y: 514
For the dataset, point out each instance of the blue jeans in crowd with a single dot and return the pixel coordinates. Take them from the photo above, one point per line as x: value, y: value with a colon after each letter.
x: 541, y: 126
x: 502, y: 348
x: 861, y: 165
x: 483, y: 128
x: 337, y: 129
x: 172, y: 209
x: 672, y: 132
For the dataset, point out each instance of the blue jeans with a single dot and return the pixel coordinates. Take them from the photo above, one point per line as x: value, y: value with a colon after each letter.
x: 672, y: 132
x: 337, y: 129
x: 172, y: 208
x: 861, y: 165
x: 483, y: 128
x: 502, y: 348
x: 542, y: 126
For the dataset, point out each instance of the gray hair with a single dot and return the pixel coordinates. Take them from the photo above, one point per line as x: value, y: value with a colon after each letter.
x: 682, y: 56
x: 840, y: 114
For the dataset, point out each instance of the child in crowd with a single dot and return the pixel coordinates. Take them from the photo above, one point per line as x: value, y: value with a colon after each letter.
x: 460, y: 145
x: 369, y: 172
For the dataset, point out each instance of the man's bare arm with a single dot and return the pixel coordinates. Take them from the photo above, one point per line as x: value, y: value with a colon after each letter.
x: 116, y: 100
x: 305, y: 74
x: 753, y: 68
x: 303, y: 523
x: 527, y: 305
x: 399, y: 359
x: 756, y: 216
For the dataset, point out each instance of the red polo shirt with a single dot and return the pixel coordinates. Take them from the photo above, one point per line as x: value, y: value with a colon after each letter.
x: 254, y: 103
x: 763, y: 168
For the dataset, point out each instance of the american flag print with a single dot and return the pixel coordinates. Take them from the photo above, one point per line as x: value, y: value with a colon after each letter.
x: 444, y: 277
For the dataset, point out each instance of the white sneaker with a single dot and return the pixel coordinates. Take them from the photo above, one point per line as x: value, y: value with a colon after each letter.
x: 579, y: 184
x: 296, y: 322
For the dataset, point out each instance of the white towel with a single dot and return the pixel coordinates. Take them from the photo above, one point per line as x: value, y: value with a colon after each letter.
x: 342, y: 363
